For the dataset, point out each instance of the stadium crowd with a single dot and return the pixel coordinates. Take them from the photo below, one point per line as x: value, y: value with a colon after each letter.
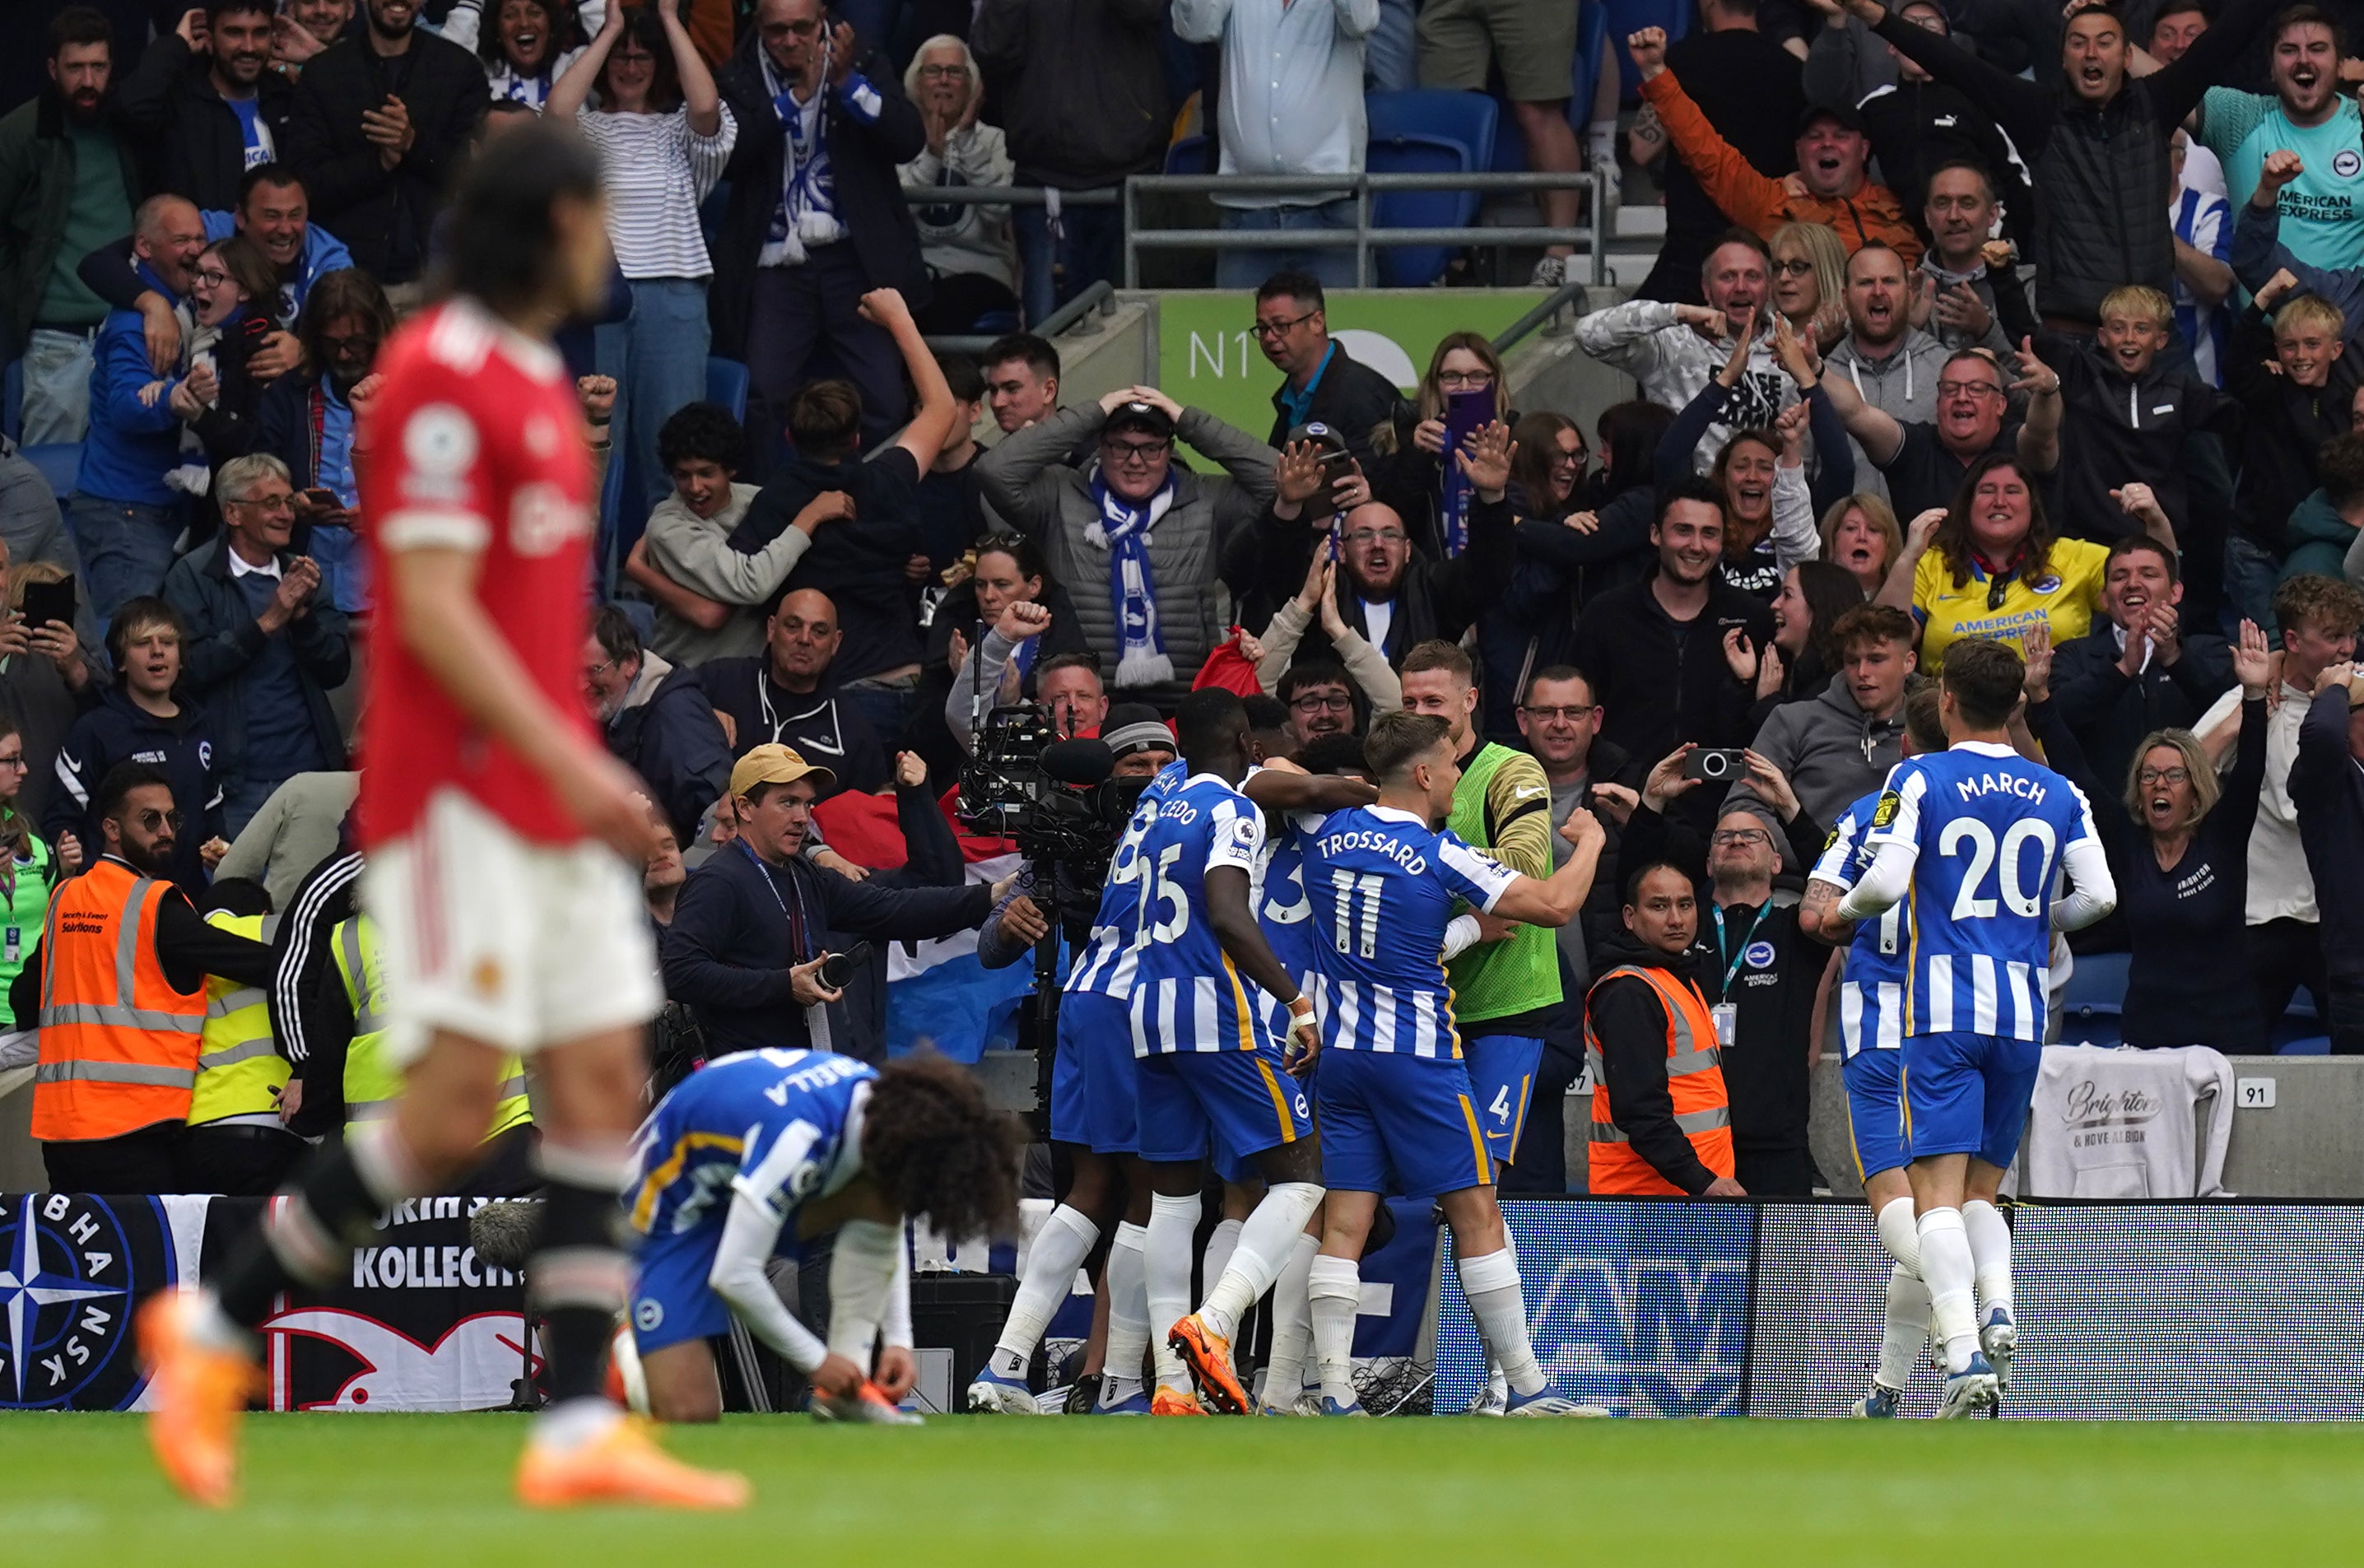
x: 1977, y: 321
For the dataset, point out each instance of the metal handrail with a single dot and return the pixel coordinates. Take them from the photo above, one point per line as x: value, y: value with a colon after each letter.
x: 1008, y: 196
x: 1590, y: 237
x: 1567, y: 294
x: 1101, y: 295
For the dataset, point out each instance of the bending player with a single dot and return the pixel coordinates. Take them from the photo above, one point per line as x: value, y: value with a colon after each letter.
x: 1974, y: 835
x: 505, y: 844
x: 752, y: 1142
x: 1871, y: 1035
x: 1396, y: 1113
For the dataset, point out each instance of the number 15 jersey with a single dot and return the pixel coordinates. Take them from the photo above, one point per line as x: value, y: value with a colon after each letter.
x: 1185, y: 994
x: 1382, y: 884
x: 1990, y: 830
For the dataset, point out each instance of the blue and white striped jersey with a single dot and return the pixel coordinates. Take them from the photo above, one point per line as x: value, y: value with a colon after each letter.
x: 1988, y: 830
x: 1185, y: 994
x: 779, y: 1126
x: 1105, y: 965
x: 1871, y: 983
x: 1382, y: 885
x: 1281, y: 907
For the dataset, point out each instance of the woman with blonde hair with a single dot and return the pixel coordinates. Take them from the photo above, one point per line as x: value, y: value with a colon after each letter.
x: 1411, y: 478
x: 1859, y: 532
x: 2180, y: 852
x: 1808, y: 278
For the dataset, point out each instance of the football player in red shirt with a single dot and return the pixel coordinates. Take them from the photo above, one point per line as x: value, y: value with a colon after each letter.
x: 503, y: 840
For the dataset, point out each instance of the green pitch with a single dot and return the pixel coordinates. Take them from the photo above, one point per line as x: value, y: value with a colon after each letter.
x: 351, y: 1491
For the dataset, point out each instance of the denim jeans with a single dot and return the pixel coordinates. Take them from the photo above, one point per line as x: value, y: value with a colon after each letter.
x: 126, y: 548
x: 2250, y: 576
x: 657, y: 355
x: 1391, y: 54
x: 241, y: 803
x: 344, y: 571
x: 888, y: 706
x: 57, y: 386
x: 1087, y: 251
x: 1333, y: 269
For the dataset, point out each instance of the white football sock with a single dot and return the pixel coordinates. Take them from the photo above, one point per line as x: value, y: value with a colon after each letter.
x: 1491, y: 1283
x: 1946, y: 1266
x: 1900, y: 1232
x: 1292, y: 1325
x: 1494, y: 1377
x: 1990, y: 1253
x: 1222, y: 1242
x: 1265, y: 1240
x: 1059, y: 1249
x: 1906, y: 1331
x: 1172, y: 1221
x: 1334, y: 1288
x: 1128, y: 1331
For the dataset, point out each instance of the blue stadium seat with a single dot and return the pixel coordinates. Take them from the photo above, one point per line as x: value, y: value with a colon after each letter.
x: 1622, y: 18
x: 613, y: 545
x: 1417, y: 266
x: 59, y: 462
x: 726, y: 382
x: 1591, y: 39
x: 2099, y: 982
x: 2091, y: 1028
x: 1470, y: 119
x: 12, y: 401
x: 2312, y: 1045
x: 1191, y: 155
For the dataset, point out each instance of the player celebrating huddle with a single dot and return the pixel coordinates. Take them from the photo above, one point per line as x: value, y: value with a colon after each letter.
x: 753, y: 1141
x: 504, y: 845
x: 1393, y: 1090
x: 1974, y: 835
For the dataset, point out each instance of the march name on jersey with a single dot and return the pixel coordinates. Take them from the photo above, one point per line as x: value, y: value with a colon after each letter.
x: 1104, y: 966
x: 1382, y: 885
x: 1871, y: 983
x: 473, y: 442
x: 1989, y: 829
x: 779, y: 1126
x: 1187, y: 995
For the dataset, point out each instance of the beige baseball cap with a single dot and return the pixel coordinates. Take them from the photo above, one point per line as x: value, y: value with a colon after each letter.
x: 775, y: 764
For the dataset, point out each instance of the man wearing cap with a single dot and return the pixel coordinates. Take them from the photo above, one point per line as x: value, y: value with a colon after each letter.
x: 752, y: 927
x: 1135, y: 538
x: 1138, y: 739
x: 1830, y: 187
x: 1324, y: 384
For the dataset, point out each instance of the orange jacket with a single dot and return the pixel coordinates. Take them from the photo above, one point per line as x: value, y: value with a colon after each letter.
x: 1694, y: 1079
x: 1762, y: 205
x: 119, y: 1044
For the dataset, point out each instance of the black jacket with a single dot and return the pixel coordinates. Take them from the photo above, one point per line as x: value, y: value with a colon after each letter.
x: 2115, y: 429
x: 225, y: 637
x: 1629, y: 1023
x: 186, y: 948
x: 863, y: 159
x: 2326, y: 785
x: 1081, y: 86
x: 118, y: 731
x: 311, y: 1017
x: 2110, y: 713
x: 1351, y: 398
x: 1663, y: 684
x: 2284, y: 426
x: 189, y: 140
x: 819, y: 726
x: 740, y: 925
x: 1915, y: 126
x: 383, y: 215
x: 2100, y: 172
x: 1773, y: 991
x: 670, y: 737
x: 37, y: 187
x: 1432, y: 598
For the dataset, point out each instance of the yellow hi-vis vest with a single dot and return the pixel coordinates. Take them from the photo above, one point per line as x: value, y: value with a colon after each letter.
x: 239, y: 1070
x: 371, y: 1081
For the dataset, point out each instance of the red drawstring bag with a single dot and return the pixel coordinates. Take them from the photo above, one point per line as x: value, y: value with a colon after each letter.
x: 1230, y: 667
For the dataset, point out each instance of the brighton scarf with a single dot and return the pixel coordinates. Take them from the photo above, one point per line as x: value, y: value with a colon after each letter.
x: 1124, y: 528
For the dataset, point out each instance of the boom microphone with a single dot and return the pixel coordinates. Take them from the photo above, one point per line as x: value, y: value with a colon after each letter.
x: 503, y: 1233
x: 1079, y: 762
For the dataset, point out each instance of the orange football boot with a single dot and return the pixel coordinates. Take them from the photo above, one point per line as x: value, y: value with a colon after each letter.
x: 1208, y: 1356
x: 623, y: 1464
x: 1174, y: 1402
x: 200, y: 1394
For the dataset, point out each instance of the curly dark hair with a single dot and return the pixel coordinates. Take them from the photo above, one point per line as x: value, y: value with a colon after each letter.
x: 1952, y: 539
x: 701, y: 431
x: 936, y: 1148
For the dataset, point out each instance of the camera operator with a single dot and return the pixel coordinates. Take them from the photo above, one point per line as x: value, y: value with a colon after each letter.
x: 754, y: 928
x: 1757, y: 970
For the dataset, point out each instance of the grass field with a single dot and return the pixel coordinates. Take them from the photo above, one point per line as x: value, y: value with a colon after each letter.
x: 350, y: 1491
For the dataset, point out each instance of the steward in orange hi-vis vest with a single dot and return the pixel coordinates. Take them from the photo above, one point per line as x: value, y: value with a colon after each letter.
x: 1694, y: 1084
x: 118, y: 1044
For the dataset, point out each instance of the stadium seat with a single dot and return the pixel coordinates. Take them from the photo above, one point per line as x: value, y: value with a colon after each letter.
x: 1191, y: 155
x: 1622, y: 18
x: 2312, y: 1045
x: 1417, y: 266
x: 1470, y: 119
x: 726, y: 382
x: 1591, y: 39
x: 59, y: 462
x: 2099, y: 982
x: 12, y: 401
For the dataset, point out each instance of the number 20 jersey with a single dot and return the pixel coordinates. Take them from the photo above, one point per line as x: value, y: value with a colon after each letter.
x: 1382, y: 885
x: 1991, y: 828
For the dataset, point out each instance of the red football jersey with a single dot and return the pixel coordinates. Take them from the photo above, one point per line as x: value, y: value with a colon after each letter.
x: 473, y: 440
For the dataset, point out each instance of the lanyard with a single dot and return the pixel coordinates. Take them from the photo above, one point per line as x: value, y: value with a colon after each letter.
x: 793, y: 917
x: 1732, y: 964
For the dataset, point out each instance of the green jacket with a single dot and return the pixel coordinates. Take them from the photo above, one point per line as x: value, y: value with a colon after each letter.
x: 2317, y: 538
x: 37, y: 171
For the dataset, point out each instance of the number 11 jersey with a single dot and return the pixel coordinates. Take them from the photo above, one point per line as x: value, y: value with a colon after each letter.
x: 1990, y: 831
x: 1382, y: 885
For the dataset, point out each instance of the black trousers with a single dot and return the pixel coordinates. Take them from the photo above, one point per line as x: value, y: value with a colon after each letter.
x: 2346, y: 1019
x: 145, y: 1162
x: 1776, y: 1172
x: 2285, y: 955
x: 238, y: 1162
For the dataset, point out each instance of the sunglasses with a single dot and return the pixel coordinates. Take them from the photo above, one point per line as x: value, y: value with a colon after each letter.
x: 152, y: 819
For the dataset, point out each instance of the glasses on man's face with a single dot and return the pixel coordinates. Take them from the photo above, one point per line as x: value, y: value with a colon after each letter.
x: 1966, y: 388
x: 1278, y: 328
x: 1571, y: 712
x: 152, y: 819
x: 266, y: 503
x: 1724, y: 837
x: 593, y: 672
x: 1322, y: 702
x: 1376, y: 536
x: 1463, y: 380
x: 803, y: 29
x: 2147, y: 777
x: 943, y: 74
x: 1139, y: 454
x: 1791, y: 269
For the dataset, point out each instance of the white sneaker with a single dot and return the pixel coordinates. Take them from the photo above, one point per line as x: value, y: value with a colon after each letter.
x: 1969, y: 1392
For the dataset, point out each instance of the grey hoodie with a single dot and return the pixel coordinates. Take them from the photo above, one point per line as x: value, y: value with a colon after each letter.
x: 1903, y: 387
x: 1831, y: 750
